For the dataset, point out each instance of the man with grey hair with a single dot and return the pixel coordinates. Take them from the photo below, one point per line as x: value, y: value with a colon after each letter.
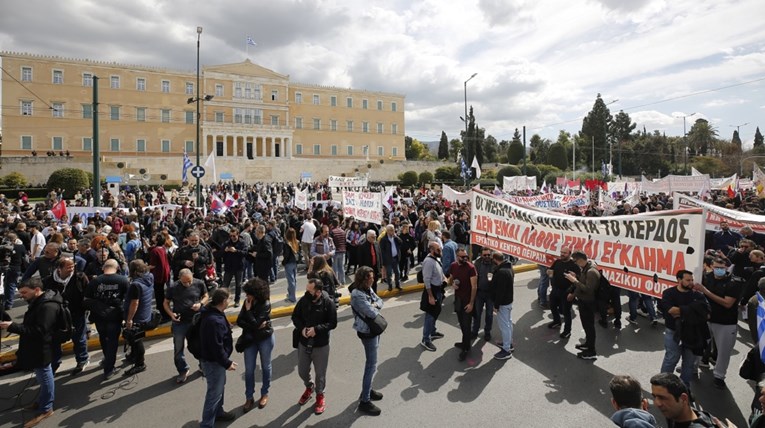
x: 370, y: 255
x: 432, y: 296
x: 187, y: 295
x: 391, y: 246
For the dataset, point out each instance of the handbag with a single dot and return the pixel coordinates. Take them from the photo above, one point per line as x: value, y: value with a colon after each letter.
x: 751, y: 367
x: 153, y: 323
x: 263, y: 333
x: 377, y: 325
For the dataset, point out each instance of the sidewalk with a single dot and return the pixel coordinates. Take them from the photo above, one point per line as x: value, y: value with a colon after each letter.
x: 163, y: 330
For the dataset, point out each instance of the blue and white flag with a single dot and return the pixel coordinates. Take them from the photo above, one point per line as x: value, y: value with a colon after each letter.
x: 761, y: 326
x: 250, y: 41
x: 186, y: 167
x: 464, y: 170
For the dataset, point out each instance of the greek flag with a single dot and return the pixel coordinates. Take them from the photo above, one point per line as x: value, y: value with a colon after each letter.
x: 250, y: 41
x: 761, y: 325
x: 464, y: 170
x: 186, y: 167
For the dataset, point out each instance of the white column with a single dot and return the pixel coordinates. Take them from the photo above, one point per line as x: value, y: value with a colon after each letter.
x: 289, y: 147
x: 263, y: 145
x: 273, y: 147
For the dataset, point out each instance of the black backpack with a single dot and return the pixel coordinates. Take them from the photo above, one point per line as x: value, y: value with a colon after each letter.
x: 64, y: 327
x: 277, y: 242
x: 604, y: 286
x: 194, y: 336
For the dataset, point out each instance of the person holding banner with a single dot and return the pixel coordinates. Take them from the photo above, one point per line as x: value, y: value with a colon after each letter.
x: 583, y: 288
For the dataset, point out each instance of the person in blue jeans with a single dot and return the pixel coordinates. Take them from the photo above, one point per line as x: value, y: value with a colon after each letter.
x: 433, y: 295
x: 634, y: 297
x: 544, y: 284
x: 36, y: 341
x: 257, y: 339
x: 290, y: 262
x: 216, y: 345
x: 366, y: 305
x: 187, y: 296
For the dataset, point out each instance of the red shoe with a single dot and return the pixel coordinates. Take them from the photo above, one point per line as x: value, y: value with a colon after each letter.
x: 319, y: 407
x: 306, y: 395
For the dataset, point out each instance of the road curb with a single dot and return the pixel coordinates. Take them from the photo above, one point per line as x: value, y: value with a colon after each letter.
x: 231, y: 315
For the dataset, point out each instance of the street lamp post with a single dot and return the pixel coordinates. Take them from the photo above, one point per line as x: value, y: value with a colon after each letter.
x: 199, y: 189
x: 467, y: 144
x: 685, y: 140
x: 605, y: 138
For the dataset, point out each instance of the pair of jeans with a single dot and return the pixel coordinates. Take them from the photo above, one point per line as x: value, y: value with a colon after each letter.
x: 393, y: 272
x: 483, y: 301
x: 673, y: 351
x: 10, y: 282
x: 371, y: 344
x: 264, y: 348
x: 44, y: 376
x: 587, y: 315
x: 108, y: 337
x: 634, y: 296
x: 544, y: 284
x: 274, y: 266
x: 559, y: 305
x: 338, y: 265
x: 215, y: 376
x: 465, y: 321
x: 505, y: 325
x: 79, y: 337
x: 429, y: 325
x: 248, y: 270
x: 290, y: 271
x: 179, y: 330
x: 237, y: 276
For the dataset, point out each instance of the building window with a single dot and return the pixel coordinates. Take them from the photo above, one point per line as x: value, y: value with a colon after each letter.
x: 218, y: 90
x: 395, y: 152
x: 364, y: 126
x: 298, y: 149
x: 380, y: 151
x: 219, y: 148
x: 165, y: 115
x: 219, y: 116
x: 333, y: 125
x: 58, y: 110
x: 58, y: 77
x: 316, y: 100
x: 349, y: 125
x: 237, y: 115
x: 349, y: 102
x: 140, y: 145
x: 26, y: 108
x: 140, y: 114
x: 58, y: 143
x: 114, y: 112
x: 189, y: 117
x: 165, y: 146
x: 87, y: 79
x: 379, y: 105
x: 189, y: 146
x: 394, y: 129
x: 393, y: 107
x: 316, y: 149
x: 87, y: 144
x: 365, y: 104
x: 26, y: 74
x: 189, y: 88
x: 248, y: 116
x: 275, y: 120
x: 349, y: 150
x: 114, y: 82
x: 26, y: 142
x: 274, y: 95
x: 166, y: 86
x: 379, y: 128
x: 114, y: 144
x: 317, y: 124
x: 333, y: 150
x: 298, y: 98
x: 140, y: 84
x: 333, y: 101
x: 87, y: 111
x: 298, y: 123
x: 237, y: 89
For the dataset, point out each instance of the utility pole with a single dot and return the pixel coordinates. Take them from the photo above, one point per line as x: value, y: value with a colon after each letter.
x: 524, y: 150
x: 96, y: 166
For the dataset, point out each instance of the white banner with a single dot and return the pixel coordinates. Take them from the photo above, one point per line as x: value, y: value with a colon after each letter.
x: 551, y: 201
x: 519, y: 183
x: 301, y: 199
x: 363, y: 206
x: 347, y: 182
x: 715, y: 214
x: 452, y: 195
x: 675, y: 183
x: 639, y: 253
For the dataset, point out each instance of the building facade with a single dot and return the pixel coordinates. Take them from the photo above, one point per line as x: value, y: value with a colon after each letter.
x: 246, y: 112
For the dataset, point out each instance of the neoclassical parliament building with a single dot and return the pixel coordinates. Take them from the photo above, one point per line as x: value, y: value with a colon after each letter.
x: 246, y: 112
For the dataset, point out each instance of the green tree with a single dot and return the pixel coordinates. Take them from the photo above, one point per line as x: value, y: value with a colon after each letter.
x: 408, y: 178
x: 502, y: 155
x: 515, y: 152
x: 701, y: 137
x: 443, y: 147
x: 490, y: 149
x: 426, y: 177
x: 595, y: 129
x: 455, y: 149
x: 557, y: 156
x: 14, y: 180
x: 621, y: 130
x: 712, y: 165
x: 447, y: 173
x: 69, y: 179
x: 539, y: 149
x: 736, y: 140
x: 758, y: 140
x: 414, y: 149
x: 533, y: 171
x: 507, y: 171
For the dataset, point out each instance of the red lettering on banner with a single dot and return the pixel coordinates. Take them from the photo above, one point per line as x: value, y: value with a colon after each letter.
x: 484, y: 224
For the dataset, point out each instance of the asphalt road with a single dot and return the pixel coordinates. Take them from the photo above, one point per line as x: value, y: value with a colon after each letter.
x: 544, y: 385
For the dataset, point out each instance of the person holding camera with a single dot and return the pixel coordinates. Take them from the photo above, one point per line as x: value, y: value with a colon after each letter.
x: 314, y: 317
x: 366, y: 305
x: 188, y: 295
x: 257, y: 338
x: 138, y: 304
x: 583, y: 286
x: 193, y: 256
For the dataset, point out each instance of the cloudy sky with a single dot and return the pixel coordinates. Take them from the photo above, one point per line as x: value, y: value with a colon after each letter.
x: 539, y: 63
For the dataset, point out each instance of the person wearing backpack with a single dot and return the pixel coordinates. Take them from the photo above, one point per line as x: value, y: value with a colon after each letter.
x: 36, y: 341
x: 583, y: 287
x: 137, y: 308
x: 605, y: 296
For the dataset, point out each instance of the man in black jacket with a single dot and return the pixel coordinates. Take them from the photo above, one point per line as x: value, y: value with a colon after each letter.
x: 370, y: 255
x: 193, y: 256
x: 502, y: 295
x: 314, y: 317
x: 216, y: 345
x: 36, y: 341
x: 261, y: 254
x: 233, y: 252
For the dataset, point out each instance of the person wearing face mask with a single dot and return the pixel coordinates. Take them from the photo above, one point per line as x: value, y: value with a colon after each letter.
x: 314, y: 317
x: 685, y: 313
x: 464, y: 278
x: 722, y: 293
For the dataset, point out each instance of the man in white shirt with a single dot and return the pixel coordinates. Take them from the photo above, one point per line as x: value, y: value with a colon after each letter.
x: 307, y: 231
x: 37, y: 241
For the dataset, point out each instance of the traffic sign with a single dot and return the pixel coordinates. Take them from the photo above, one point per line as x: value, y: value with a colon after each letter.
x: 198, y: 172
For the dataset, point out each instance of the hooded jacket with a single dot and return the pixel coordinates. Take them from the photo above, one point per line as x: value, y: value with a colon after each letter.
x: 36, y: 331
x: 633, y: 418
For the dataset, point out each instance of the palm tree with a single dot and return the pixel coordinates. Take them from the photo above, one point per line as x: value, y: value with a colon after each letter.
x: 701, y: 136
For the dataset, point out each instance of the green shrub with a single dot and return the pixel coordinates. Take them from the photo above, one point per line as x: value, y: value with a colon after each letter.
x: 507, y: 171
x: 426, y: 177
x: 13, y: 180
x: 408, y: 178
x: 69, y: 179
x: 447, y: 173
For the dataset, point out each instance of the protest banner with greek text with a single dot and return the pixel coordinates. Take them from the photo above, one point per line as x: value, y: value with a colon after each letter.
x: 715, y: 214
x: 363, y: 206
x: 347, y: 182
x: 639, y: 253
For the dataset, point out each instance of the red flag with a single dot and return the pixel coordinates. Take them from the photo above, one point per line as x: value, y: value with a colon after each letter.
x: 731, y: 193
x: 59, y: 209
